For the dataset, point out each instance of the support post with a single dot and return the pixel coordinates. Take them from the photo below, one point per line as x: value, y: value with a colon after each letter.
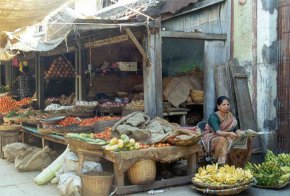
x: 39, y: 79
x: 153, y: 74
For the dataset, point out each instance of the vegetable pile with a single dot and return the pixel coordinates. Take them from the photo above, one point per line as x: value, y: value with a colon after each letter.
x: 274, y: 171
x: 7, y: 104
x: 91, y: 121
x: 86, y: 137
x: 70, y: 121
x: 122, y: 144
x: 106, y: 134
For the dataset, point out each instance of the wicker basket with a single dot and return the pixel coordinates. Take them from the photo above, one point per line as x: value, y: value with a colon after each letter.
x: 272, y: 187
x: 7, y: 137
x: 10, y: 127
x: 228, y: 191
x: 142, y: 172
x: 76, y: 144
x: 218, y: 187
x: 197, y: 96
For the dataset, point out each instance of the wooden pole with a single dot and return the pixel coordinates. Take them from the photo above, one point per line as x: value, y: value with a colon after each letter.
x: 153, y: 74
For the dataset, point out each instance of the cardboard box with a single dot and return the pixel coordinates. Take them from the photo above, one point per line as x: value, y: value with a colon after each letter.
x: 127, y: 66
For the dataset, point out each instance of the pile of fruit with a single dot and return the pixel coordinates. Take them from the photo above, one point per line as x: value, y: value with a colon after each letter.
x: 70, y: 121
x: 91, y: 121
x: 60, y: 68
x: 274, y: 171
x: 7, y: 104
x: 106, y: 134
x: 225, y: 175
x: 122, y: 144
x: 157, y: 145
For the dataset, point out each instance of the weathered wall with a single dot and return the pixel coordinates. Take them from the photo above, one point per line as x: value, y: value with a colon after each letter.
x: 214, y: 19
x: 181, y: 55
x: 255, y: 46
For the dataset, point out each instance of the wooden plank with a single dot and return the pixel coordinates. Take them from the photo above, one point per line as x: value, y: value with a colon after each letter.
x: 224, y: 86
x: 108, y: 41
x: 244, y: 103
x: 153, y: 98
x: 39, y: 66
x: 196, y: 6
x: 154, y: 185
x: 193, y: 35
x: 214, y: 54
x: 138, y: 45
x: 96, y: 26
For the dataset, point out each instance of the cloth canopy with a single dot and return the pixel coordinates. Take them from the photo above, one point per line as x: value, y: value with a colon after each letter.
x: 15, y: 14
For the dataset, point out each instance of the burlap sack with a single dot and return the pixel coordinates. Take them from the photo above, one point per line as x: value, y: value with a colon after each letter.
x: 11, y: 150
x: 33, y: 159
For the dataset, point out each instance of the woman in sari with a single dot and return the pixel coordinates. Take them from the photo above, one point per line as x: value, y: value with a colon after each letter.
x: 219, y: 131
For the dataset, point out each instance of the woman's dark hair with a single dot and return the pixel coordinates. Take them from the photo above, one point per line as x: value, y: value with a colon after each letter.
x: 219, y: 102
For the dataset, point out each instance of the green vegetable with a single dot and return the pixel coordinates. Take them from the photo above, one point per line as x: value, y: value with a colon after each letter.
x: 49, y: 173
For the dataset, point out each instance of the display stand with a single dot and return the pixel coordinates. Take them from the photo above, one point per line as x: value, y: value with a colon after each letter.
x: 121, y: 164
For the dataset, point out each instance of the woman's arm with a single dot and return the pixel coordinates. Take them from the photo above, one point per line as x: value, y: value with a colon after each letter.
x: 232, y: 135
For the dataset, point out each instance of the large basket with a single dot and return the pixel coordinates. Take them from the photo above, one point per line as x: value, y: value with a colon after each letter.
x: 197, y: 96
x: 272, y: 187
x: 142, y: 172
x: 96, y: 183
x: 7, y: 137
x: 228, y: 191
x: 218, y: 187
x: 76, y: 144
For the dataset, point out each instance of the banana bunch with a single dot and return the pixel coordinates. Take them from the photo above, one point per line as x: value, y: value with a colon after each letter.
x: 226, y: 175
x: 269, y: 173
x: 284, y: 159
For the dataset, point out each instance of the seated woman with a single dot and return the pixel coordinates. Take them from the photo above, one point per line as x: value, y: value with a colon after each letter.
x: 219, y: 131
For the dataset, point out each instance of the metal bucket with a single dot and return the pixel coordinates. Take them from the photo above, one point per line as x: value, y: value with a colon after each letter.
x: 96, y: 183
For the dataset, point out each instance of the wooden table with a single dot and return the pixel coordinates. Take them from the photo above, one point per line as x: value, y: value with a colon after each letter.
x: 182, y: 112
x: 44, y: 137
x: 116, y: 159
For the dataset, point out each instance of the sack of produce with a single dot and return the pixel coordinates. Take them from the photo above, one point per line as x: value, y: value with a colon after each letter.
x: 33, y: 159
x: 11, y: 150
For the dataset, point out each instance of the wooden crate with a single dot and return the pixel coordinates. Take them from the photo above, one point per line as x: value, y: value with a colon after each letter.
x: 7, y: 137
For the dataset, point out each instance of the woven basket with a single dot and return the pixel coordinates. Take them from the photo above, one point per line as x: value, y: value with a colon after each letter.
x: 10, y: 127
x: 142, y: 172
x: 217, y: 187
x: 76, y: 144
x: 272, y: 187
x: 197, y: 96
x: 228, y: 191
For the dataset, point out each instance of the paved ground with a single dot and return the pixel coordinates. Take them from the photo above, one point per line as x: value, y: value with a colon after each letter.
x: 13, y: 183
